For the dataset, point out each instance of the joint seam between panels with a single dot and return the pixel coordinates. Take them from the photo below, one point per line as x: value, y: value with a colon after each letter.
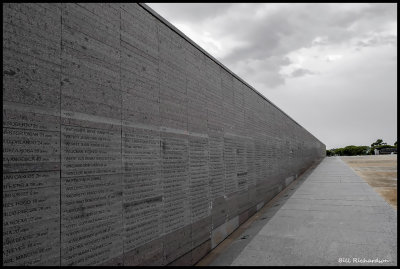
x: 60, y: 123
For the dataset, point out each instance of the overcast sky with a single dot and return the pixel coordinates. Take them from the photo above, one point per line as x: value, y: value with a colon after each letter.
x: 331, y: 67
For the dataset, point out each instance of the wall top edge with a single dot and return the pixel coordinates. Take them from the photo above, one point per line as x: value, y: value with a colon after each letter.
x: 176, y: 30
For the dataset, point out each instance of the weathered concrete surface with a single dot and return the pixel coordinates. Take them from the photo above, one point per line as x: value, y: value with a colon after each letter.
x: 124, y: 143
x: 332, y: 216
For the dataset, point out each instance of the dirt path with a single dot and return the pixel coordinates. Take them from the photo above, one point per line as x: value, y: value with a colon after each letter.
x: 379, y: 171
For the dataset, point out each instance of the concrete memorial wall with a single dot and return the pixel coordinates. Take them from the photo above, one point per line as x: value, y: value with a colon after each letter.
x: 124, y: 143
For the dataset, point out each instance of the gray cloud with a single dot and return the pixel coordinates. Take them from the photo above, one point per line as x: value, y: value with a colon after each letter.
x: 378, y: 40
x: 282, y: 28
x: 295, y: 27
x: 299, y: 72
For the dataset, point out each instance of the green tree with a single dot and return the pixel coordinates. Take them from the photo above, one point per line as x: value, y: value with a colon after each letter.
x: 371, y: 151
x: 355, y: 150
x: 378, y: 142
x: 350, y: 151
x: 329, y: 152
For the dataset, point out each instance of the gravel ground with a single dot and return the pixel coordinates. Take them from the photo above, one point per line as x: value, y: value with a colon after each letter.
x: 379, y: 171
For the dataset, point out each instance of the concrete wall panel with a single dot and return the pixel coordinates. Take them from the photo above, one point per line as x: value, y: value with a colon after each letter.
x: 31, y: 134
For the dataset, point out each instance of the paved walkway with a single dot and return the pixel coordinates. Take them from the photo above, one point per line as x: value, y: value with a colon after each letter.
x: 329, y: 217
